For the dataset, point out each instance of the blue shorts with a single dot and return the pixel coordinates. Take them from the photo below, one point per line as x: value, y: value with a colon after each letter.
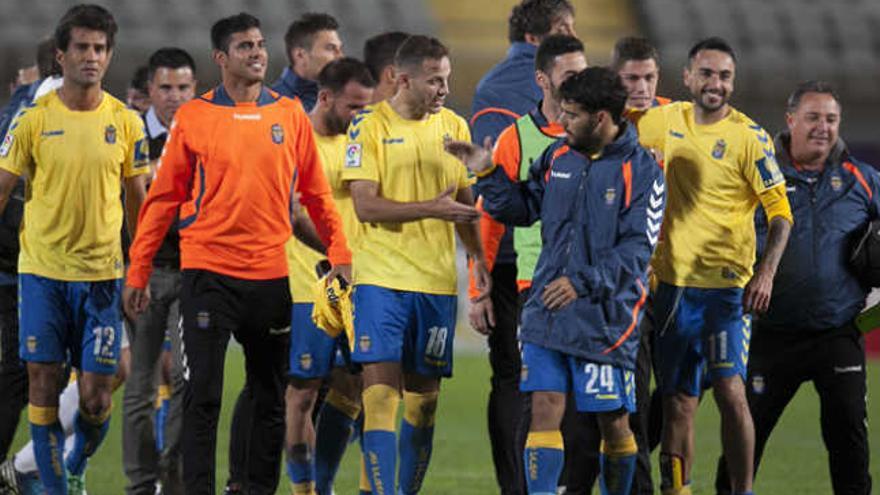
x: 313, y: 353
x: 411, y: 328
x: 81, y: 321
x: 597, y: 387
x: 702, y: 335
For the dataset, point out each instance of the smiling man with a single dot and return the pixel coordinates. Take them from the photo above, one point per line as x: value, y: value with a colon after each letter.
x: 411, y: 197
x: 76, y: 146
x: 719, y: 165
x: 808, y: 332
x: 233, y: 159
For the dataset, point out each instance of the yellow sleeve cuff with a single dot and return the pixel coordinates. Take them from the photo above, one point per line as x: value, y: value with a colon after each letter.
x: 775, y: 203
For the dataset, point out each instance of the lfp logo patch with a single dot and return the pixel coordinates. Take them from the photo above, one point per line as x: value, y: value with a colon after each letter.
x: 353, y: 155
x: 7, y: 145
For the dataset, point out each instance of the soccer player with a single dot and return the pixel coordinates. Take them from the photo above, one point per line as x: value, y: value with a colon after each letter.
x: 379, y: 56
x: 507, y: 92
x: 808, y: 332
x: 232, y: 160
x: 410, y: 195
x: 558, y: 57
x: 13, y: 374
x: 599, y: 197
x: 345, y: 88
x: 719, y: 165
x: 171, y: 83
x: 312, y: 41
x: 77, y: 146
x: 637, y: 63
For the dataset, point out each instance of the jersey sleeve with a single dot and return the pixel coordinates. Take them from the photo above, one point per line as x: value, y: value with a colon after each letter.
x: 315, y: 193
x: 16, y: 152
x: 363, y: 152
x: 652, y: 127
x: 167, y: 192
x: 137, y: 157
x: 759, y: 161
x: 463, y: 133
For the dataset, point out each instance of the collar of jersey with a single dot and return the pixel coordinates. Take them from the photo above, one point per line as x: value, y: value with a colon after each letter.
x: 222, y: 98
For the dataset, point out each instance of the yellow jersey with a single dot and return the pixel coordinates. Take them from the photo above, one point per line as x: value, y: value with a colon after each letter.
x: 715, y: 176
x: 301, y: 259
x: 406, y: 158
x: 74, y: 163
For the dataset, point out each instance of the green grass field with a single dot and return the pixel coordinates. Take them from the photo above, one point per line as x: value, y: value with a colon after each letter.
x: 795, y: 461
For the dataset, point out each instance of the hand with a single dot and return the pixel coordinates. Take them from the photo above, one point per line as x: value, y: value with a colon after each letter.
x: 476, y: 158
x: 445, y: 207
x: 558, y: 294
x: 756, y: 297
x: 482, y: 315
x: 482, y: 279
x: 343, y: 271
x: 135, y: 301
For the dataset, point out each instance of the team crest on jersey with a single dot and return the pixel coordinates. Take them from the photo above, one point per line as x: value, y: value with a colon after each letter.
x: 305, y: 361
x: 719, y: 149
x: 836, y: 182
x: 7, y: 144
x: 610, y: 194
x: 364, y: 343
x: 277, y: 134
x: 203, y: 319
x: 110, y: 134
x: 353, y: 155
x: 32, y: 344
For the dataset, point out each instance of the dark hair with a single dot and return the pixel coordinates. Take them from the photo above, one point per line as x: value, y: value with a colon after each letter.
x: 222, y: 30
x: 535, y: 17
x: 47, y: 64
x: 794, y: 100
x: 633, y: 48
x: 417, y: 48
x: 594, y: 89
x: 554, y: 46
x: 379, y: 51
x: 140, y: 78
x: 93, y: 17
x: 338, y: 73
x: 301, y: 32
x: 170, y: 58
x: 713, y: 43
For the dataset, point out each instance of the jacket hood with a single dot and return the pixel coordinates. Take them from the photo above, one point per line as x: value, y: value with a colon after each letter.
x: 782, y: 142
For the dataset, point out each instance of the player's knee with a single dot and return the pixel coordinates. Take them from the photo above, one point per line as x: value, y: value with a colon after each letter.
x: 547, y: 410
x: 301, y: 399
x: 420, y: 408
x: 349, y: 406
x: 730, y: 395
x: 346, y: 384
x: 614, y: 425
x: 679, y: 408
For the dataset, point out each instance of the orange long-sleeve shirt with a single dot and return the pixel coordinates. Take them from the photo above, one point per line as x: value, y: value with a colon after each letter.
x: 231, y: 169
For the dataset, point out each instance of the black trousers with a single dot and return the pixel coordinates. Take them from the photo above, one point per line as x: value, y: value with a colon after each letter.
x: 257, y: 314
x: 13, y: 373
x: 834, y: 360
x: 507, y: 406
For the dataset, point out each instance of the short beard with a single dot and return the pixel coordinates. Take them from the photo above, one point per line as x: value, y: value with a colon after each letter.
x: 589, y: 142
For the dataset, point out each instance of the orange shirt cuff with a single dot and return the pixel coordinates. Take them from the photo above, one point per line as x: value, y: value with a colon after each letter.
x: 138, y: 276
